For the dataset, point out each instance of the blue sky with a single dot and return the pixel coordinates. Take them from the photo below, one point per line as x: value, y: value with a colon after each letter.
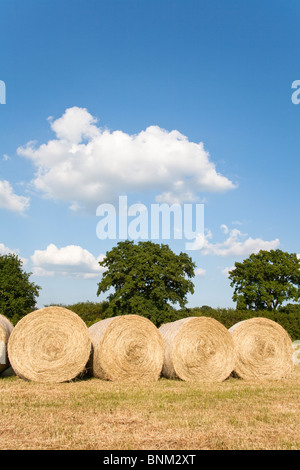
x: 108, y: 98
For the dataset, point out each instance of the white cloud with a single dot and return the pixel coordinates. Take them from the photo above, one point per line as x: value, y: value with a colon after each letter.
x: 4, y: 250
x: 11, y: 201
x: 226, y: 270
x: 224, y: 228
x: 41, y: 272
x: 237, y: 222
x: 86, y: 165
x: 71, y: 260
x: 236, y: 244
x: 169, y: 197
x: 200, y: 272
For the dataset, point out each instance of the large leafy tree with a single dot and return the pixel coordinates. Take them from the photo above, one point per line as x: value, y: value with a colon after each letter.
x: 265, y: 280
x: 148, y: 279
x: 17, y: 293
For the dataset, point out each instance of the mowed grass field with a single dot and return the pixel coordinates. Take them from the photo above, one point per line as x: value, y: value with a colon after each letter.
x: 166, y: 415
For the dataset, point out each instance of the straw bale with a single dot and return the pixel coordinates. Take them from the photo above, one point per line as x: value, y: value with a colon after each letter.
x: 49, y: 345
x: 197, y: 349
x: 126, y: 348
x: 264, y: 349
x: 5, y: 330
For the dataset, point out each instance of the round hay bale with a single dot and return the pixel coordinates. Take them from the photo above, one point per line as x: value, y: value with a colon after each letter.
x: 296, y: 354
x: 49, y: 345
x: 126, y: 348
x: 264, y: 349
x: 5, y: 330
x: 197, y: 349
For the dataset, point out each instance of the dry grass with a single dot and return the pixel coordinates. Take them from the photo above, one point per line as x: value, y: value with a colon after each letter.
x: 166, y: 415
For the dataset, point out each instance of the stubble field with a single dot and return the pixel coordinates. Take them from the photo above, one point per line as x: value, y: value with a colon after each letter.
x: 166, y: 415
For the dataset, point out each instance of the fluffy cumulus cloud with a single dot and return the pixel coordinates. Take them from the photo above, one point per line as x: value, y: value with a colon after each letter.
x: 11, y: 201
x: 86, y: 165
x: 71, y: 260
x: 236, y: 244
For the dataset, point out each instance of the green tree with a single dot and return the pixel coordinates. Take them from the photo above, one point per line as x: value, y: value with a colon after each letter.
x: 148, y: 279
x: 17, y: 293
x: 265, y: 280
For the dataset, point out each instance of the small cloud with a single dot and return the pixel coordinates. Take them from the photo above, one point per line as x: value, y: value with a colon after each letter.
x: 236, y: 244
x: 11, y: 201
x: 224, y: 228
x: 4, y: 250
x: 200, y: 272
x: 71, y: 260
x: 237, y: 222
x: 226, y: 270
x: 5, y: 157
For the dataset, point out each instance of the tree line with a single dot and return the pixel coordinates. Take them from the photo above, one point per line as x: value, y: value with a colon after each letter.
x: 288, y: 316
x: 149, y: 279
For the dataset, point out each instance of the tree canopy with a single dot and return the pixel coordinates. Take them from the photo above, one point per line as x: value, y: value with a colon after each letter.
x: 265, y: 280
x: 147, y: 278
x: 17, y: 293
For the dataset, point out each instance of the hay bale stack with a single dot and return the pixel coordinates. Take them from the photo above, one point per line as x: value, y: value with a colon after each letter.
x: 197, y: 349
x: 126, y: 348
x: 264, y: 349
x: 49, y: 345
x: 5, y: 330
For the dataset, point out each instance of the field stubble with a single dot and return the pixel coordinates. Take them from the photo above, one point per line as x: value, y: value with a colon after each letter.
x: 165, y: 415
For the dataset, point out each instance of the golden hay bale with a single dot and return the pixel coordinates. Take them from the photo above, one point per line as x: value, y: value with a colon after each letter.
x: 5, y: 330
x: 296, y: 353
x: 264, y: 349
x: 49, y: 345
x: 197, y: 349
x: 126, y: 348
